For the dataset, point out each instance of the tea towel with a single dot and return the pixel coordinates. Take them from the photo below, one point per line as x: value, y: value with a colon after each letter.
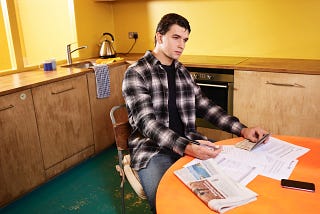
x: 102, y: 80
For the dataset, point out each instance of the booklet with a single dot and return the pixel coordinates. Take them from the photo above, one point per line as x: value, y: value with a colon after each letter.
x: 248, y: 145
x: 217, y: 190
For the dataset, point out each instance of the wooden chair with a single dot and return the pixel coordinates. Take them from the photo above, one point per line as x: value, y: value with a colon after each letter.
x: 122, y: 130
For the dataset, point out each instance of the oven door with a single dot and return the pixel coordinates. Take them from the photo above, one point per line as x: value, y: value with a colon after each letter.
x: 221, y: 93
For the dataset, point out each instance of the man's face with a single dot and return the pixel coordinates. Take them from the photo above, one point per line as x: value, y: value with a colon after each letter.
x: 173, y: 42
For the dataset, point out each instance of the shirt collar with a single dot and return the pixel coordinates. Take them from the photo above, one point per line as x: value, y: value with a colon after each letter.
x: 154, y: 61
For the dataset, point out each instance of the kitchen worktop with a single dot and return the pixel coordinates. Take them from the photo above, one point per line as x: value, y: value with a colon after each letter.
x: 298, y: 66
x: 29, y: 79
x: 24, y: 80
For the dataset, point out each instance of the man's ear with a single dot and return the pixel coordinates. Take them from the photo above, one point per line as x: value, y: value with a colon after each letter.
x: 159, y: 38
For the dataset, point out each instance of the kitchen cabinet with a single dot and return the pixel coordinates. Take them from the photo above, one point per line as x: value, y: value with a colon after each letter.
x: 282, y: 103
x: 20, y: 154
x: 64, y: 123
x: 100, y: 108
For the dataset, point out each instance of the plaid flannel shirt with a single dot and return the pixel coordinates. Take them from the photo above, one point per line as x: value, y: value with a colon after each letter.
x: 145, y: 90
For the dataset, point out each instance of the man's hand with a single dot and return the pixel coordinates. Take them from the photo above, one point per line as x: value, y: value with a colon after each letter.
x: 253, y: 134
x: 204, y: 151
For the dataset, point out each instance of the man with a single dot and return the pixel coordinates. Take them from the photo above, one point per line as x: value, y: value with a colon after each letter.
x: 163, y: 101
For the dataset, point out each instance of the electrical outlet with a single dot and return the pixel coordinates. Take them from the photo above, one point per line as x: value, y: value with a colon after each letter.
x: 133, y: 35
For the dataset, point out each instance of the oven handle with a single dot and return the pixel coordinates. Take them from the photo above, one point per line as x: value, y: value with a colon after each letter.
x: 212, y: 85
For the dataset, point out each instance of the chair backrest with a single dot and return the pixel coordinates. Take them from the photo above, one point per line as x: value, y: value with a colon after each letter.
x: 121, y: 126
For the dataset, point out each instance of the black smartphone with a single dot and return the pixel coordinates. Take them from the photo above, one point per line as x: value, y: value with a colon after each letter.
x: 299, y: 185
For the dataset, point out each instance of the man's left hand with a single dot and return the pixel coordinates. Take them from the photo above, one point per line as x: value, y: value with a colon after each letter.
x: 254, y: 134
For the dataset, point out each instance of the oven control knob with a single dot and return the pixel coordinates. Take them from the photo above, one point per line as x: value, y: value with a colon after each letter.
x: 210, y: 76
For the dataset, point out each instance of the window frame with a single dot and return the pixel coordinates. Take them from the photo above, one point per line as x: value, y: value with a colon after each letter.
x: 14, y: 42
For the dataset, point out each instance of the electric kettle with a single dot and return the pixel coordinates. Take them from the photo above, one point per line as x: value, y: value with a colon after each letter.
x: 106, y: 47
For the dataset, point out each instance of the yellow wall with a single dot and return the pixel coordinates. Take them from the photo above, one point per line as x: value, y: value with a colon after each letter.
x: 257, y: 28
x: 92, y: 20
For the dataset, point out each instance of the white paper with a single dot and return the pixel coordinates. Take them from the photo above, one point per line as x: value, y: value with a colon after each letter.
x: 281, y: 149
x: 278, y: 169
x: 239, y: 171
x: 275, y: 159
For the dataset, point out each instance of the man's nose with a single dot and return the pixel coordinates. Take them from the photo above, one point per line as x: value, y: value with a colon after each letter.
x: 181, y: 44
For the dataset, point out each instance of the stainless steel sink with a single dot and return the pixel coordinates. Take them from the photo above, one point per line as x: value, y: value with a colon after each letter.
x: 84, y: 64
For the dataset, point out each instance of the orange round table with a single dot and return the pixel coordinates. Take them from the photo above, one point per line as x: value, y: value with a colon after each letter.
x: 174, y: 197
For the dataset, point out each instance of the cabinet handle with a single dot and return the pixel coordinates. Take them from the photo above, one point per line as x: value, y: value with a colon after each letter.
x: 285, y: 84
x: 6, y: 107
x: 64, y: 90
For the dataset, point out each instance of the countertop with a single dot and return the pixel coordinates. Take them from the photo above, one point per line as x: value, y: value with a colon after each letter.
x: 29, y: 79
x: 297, y: 66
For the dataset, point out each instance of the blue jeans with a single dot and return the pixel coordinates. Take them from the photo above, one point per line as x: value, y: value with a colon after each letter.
x: 152, y: 174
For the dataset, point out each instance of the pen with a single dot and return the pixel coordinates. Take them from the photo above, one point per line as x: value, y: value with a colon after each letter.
x: 264, y: 137
x: 213, y: 147
x: 261, y: 140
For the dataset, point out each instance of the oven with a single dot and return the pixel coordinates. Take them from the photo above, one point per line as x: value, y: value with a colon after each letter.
x: 217, y: 85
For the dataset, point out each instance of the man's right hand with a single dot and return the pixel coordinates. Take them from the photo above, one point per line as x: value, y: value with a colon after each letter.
x: 204, y: 151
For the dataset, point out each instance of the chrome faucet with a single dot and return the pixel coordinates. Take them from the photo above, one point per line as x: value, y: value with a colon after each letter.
x: 69, y: 52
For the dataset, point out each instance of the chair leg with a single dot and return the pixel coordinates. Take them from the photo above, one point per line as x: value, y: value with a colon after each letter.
x: 121, y: 172
x: 120, y: 156
x: 123, y: 203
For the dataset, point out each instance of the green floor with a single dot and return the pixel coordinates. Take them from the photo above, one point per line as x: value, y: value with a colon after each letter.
x: 91, y: 187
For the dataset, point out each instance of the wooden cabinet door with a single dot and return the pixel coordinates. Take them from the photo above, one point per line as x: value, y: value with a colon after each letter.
x: 64, y: 121
x: 286, y: 104
x: 21, y: 165
x: 100, y: 108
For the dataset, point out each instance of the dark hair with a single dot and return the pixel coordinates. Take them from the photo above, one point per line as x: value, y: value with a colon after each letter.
x: 170, y: 19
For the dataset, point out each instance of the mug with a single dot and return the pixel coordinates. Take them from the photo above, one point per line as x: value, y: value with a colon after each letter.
x: 54, y: 64
x: 47, y: 66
